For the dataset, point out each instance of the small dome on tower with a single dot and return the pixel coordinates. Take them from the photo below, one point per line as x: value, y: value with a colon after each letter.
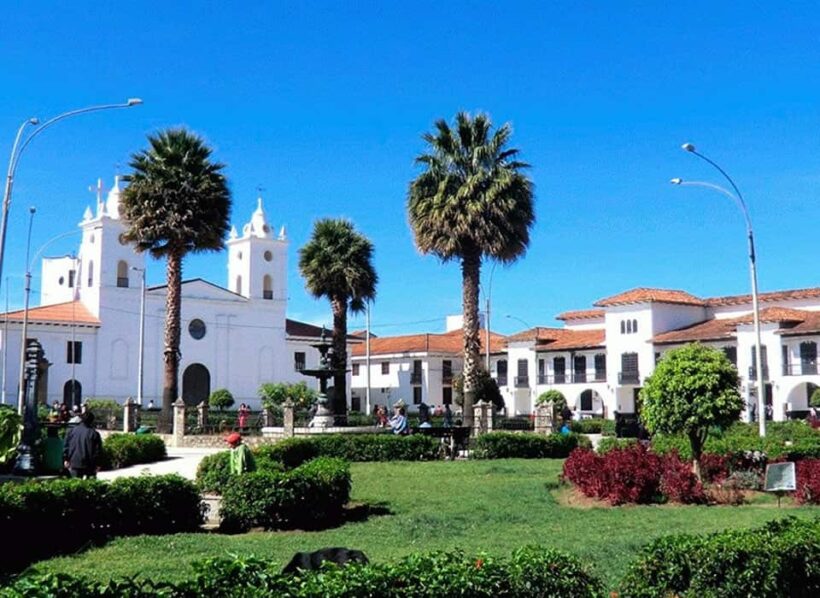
x: 259, y: 226
x: 112, y: 204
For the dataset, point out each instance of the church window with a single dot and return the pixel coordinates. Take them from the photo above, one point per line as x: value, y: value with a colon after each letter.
x: 238, y: 285
x: 197, y: 329
x: 267, y: 287
x: 239, y: 256
x: 74, y: 352
x: 71, y: 275
x: 122, y: 274
x: 268, y: 256
x: 61, y: 281
x: 90, y: 273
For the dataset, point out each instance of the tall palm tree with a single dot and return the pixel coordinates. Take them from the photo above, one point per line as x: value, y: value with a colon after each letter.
x: 337, y: 264
x: 177, y: 202
x: 471, y: 202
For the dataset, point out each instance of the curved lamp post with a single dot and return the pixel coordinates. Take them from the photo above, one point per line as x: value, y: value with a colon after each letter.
x: 21, y: 144
x: 737, y: 197
x: 524, y: 322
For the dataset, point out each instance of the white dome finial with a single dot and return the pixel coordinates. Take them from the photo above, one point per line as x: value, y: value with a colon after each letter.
x: 259, y: 226
x: 112, y: 204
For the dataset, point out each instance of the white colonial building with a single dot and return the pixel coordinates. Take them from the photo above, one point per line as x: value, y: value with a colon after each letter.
x: 416, y: 368
x: 88, y: 321
x: 600, y: 357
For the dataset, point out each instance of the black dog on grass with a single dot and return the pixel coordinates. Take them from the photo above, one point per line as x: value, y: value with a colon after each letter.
x: 311, y: 561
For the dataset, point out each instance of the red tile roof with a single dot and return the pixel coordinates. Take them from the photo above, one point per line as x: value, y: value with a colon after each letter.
x: 647, y: 295
x: 561, y: 339
x: 581, y: 314
x: 59, y: 313
x: 792, y: 294
x: 720, y: 329
x: 448, y: 342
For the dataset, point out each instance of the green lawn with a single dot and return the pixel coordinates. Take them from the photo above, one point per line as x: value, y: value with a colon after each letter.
x: 490, y: 506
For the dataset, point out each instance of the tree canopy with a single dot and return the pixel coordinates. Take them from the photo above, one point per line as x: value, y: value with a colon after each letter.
x: 692, y: 389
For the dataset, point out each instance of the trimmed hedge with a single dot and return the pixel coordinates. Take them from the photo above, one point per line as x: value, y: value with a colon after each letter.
x: 781, y: 558
x: 214, y: 472
x: 47, y: 518
x: 509, y: 445
x: 122, y: 450
x: 529, y: 573
x: 593, y: 425
x: 309, y: 496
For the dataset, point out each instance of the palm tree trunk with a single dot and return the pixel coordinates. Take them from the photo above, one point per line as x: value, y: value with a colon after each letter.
x: 470, y: 273
x: 170, y: 390
x: 339, y: 308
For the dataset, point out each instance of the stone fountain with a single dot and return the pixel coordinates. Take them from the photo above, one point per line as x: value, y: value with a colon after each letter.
x: 324, y: 417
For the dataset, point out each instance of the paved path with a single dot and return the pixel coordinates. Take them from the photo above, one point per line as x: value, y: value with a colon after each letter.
x: 182, y: 461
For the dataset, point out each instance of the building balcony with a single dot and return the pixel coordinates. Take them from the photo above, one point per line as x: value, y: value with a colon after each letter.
x: 415, y: 377
x: 501, y: 379
x: 629, y: 377
x: 522, y: 381
x: 574, y: 378
x: 753, y: 372
x: 447, y: 377
x: 800, y: 369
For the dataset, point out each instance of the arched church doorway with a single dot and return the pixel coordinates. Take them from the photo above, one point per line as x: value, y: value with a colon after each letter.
x: 72, y: 393
x: 196, y: 384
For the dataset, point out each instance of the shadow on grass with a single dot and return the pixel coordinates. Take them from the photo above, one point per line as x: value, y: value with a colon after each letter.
x: 351, y: 513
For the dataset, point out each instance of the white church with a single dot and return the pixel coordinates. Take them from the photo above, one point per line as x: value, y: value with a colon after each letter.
x: 88, y: 321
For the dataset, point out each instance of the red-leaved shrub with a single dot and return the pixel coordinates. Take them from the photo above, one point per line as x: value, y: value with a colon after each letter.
x: 808, y: 481
x: 678, y: 482
x: 714, y: 467
x: 632, y: 474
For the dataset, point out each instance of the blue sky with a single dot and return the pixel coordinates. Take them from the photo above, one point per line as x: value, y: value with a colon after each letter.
x: 323, y: 105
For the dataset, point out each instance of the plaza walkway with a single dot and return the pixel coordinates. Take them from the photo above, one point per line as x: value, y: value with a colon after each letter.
x: 182, y: 461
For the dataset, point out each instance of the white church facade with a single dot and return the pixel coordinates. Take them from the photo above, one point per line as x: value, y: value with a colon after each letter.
x: 88, y: 321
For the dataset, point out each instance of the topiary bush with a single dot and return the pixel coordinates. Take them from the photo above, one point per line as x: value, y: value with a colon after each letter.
x: 587, y: 426
x: 122, y: 450
x: 529, y: 573
x: 510, y: 445
x: 781, y: 558
x: 309, y: 496
x: 57, y: 516
x: 290, y: 452
x: 221, y: 399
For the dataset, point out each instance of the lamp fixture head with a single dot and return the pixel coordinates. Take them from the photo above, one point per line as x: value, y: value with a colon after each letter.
x: 34, y: 121
x: 134, y: 102
x: 688, y: 147
x: 676, y: 181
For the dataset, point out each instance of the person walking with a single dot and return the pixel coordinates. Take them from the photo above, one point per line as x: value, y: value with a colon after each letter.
x: 83, y: 447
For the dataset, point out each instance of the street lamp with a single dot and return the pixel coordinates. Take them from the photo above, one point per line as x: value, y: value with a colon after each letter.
x: 18, y: 148
x: 524, y: 322
x: 737, y: 197
x: 141, y: 365
x: 487, y: 322
x: 21, y: 390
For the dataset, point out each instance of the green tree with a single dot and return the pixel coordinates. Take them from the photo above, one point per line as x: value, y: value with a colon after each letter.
x: 337, y: 263
x: 221, y: 399
x: 11, y: 427
x: 692, y: 388
x: 559, y: 401
x: 177, y: 202
x: 274, y: 394
x: 814, y: 401
x: 471, y: 202
x: 486, y: 390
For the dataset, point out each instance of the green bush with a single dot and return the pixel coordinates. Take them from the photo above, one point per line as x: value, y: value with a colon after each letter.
x: 122, y: 450
x: 509, y: 445
x: 11, y: 427
x: 608, y: 427
x: 587, y: 426
x: 781, y: 558
x: 290, y: 452
x: 51, y: 517
x: 221, y: 399
x: 103, y: 405
x: 309, y: 496
x: 608, y: 443
x: 529, y: 573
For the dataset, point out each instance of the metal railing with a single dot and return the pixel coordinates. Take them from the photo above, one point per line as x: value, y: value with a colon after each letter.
x: 415, y: 377
x: 800, y: 369
x: 629, y: 377
x: 501, y: 379
x: 522, y: 381
x: 753, y: 372
x: 447, y: 377
x: 573, y: 378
